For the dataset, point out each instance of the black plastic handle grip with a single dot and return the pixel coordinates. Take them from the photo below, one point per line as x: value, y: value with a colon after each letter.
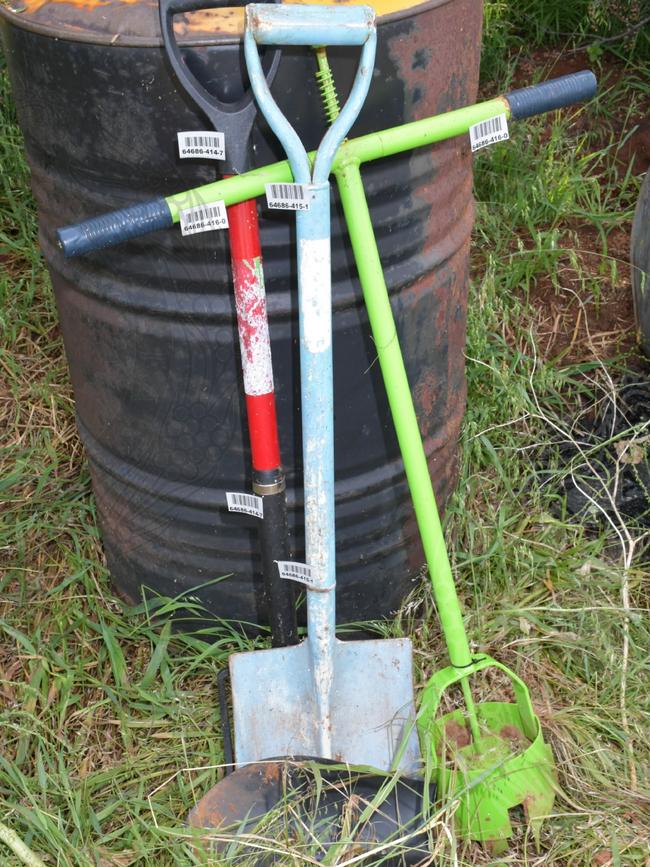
x: 177, y: 7
x: 234, y: 119
x: 114, y: 227
x: 556, y: 93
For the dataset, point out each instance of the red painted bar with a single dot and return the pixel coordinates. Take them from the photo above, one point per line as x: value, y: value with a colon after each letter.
x: 254, y: 340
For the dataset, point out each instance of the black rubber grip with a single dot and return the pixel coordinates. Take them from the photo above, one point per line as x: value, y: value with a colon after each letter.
x: 112, y: 228
x: 556, y: 93
x: 177, y: 7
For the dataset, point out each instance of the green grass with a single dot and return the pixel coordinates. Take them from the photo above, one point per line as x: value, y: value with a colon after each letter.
x: 599, y: 28
x: 109, y: 724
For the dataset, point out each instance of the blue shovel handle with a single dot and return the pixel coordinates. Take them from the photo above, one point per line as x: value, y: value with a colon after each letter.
x: 315, y: 25
x: 310, y: 25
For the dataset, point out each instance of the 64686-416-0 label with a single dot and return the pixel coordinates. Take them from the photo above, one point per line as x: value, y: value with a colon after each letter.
x: 487, y: 132
x: 204, y: 218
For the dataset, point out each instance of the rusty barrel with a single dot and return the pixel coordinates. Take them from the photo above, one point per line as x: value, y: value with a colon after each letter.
x: 150, y: 329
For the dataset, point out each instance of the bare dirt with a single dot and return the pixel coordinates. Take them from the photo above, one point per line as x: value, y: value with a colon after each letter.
x: 572, y: 324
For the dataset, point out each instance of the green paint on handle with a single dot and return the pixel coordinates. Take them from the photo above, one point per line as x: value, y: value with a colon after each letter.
x: 358, y: 150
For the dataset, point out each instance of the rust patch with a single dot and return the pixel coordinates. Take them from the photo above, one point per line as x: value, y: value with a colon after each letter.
x: 383, y: 7
x: 139, y: 18
x: 239, y: 796
x: 223, y: 22
x: 271, y: 773
x: 453, y: 61
x: 33, y: 6
x: 457, y: 734
x: 427, y: 393
x: 517, y: 738
x: 133, y: 17
x: 207, y: 815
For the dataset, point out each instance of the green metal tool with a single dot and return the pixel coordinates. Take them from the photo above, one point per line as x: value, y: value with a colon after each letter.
x: 491, y: 756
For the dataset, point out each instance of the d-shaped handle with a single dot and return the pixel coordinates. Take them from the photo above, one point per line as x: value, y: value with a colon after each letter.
x: 234, y: 119
x: 310, y: 25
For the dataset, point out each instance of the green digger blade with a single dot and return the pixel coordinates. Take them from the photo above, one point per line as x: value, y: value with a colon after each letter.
x: 509, y: 766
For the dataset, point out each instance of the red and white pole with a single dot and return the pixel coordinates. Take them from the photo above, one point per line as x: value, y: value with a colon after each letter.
x: 254, y: 339
x: 257, y: 368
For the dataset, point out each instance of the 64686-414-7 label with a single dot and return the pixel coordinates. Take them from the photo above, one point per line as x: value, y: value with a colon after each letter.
x: 203, y: 218
x: 203, y: 143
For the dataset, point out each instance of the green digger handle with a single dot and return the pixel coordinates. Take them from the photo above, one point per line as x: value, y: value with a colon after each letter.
x: 163, y: 212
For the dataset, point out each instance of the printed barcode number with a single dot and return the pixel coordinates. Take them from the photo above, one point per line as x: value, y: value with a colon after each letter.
x: 211, y: 145
x: 248, y: 504
x: 288, y: 197
x: 296, y: 571
x: 286, y: 191
x: 488, y: 132
x: 203, y: 218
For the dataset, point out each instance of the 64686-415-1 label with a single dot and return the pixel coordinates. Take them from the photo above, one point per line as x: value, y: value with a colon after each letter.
x: 204, y: 218
x: 301, y: 572
x: 288, y: 197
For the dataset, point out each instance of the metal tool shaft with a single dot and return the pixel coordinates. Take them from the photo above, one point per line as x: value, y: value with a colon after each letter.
x: 309, y: 25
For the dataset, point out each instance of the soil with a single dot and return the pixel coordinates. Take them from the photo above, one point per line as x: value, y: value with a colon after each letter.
x: 602, y: 858
x: 573, y: 325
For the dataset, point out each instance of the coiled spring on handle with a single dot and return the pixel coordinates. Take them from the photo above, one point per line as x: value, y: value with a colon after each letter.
x: 327, y: 87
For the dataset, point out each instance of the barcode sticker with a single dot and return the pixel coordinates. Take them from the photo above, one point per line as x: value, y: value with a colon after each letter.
x: 488, y: 132
x: 204, y: 143
x: 288, y: 197
x: 297, y: 572
x: 249, y: 504
x: 203, y: 218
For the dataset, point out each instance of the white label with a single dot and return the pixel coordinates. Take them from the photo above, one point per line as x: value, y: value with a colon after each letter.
x: 249, y: 504
x: 204, y: 143
x: 315, y: 287
x: 488, y: 132
x: 297, y: 572
x: 288, y: 197
x: 203, y: 218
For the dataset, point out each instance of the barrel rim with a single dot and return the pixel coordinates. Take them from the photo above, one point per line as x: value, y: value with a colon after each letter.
x: 67, y: 34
